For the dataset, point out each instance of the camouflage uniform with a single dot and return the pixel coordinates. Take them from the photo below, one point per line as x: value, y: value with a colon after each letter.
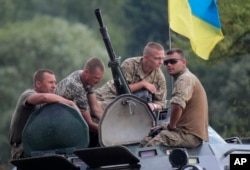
x: 72, y: 89
x: 19, y: 118
x: 192, y: 127
x: 132, y: 69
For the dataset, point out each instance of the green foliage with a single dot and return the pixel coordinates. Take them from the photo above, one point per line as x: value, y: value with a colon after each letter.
x: 4, y: 129
x: 234, y: 16
x: 46, y: 39
x: 147, y: 22
x: 230, y: 107
x: 73, y: 11
x: 6, y: 11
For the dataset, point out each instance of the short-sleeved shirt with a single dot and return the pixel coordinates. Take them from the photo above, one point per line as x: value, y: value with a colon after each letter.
x: 189, y: 93
x: 132, y: 69
x: 20, y: 116
x: 72, y: 89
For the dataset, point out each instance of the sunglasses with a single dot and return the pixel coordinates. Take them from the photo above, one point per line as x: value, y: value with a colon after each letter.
x: 171, y: 61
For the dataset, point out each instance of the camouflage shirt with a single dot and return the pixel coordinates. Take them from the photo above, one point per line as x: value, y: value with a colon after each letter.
x: 72, y: 89
x: 132, y: 69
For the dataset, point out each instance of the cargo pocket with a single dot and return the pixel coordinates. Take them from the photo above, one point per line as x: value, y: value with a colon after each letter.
x: 170, y: 138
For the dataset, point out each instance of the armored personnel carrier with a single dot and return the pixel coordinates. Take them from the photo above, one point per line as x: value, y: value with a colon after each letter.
x: 56, y: 137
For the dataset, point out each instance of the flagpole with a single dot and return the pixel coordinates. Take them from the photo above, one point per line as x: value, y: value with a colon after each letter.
x: 169, y: 37
x: 170, y: 47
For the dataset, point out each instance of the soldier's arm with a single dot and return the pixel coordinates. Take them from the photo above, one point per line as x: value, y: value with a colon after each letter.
x: 176, y: 113
x: 95, y: 108
x: 142, y: 84
x: 93, y: 127
x: 41, y: 98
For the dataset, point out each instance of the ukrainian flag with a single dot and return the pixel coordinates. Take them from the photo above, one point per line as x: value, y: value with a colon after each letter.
x: 198, y: 20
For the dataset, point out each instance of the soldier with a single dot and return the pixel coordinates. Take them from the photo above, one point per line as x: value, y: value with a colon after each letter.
x: 32, y: 99
x: 188, y: 125
x: 78, y: 87
x: 142, y: 72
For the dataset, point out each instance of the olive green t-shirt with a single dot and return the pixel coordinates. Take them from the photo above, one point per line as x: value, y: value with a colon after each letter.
x: 189, y: 93
x: 20, y: 116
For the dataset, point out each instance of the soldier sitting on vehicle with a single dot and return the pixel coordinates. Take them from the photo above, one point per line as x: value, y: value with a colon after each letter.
x: 188, y: 125
x: 31, y: 100
x: 78, y: 87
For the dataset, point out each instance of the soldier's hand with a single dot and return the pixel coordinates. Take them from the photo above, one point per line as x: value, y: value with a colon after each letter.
x: 150, y: 87
x: 155, y: 131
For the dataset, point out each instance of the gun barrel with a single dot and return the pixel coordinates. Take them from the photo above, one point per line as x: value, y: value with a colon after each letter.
x: 105, y: 35
x: 119, y: 79
x: 99, y: 17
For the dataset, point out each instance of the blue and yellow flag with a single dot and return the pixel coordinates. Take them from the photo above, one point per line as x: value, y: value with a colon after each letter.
x: 198, y: 20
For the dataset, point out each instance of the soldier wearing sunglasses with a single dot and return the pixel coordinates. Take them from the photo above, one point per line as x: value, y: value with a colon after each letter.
x: 188, y: 125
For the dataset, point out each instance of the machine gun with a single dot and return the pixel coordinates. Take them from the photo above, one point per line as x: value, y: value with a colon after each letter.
x: 120, y: 82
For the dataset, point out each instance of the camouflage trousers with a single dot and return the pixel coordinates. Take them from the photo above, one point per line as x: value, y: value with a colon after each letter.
x: 172, y: 138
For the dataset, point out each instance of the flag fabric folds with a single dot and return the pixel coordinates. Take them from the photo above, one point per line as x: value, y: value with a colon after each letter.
x: 198, y: 20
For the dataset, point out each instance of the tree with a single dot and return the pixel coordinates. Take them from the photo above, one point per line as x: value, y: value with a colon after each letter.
x: 76, y: 11
x: 230, y: 108
x: 6, y: 11
x: 147, y: 22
